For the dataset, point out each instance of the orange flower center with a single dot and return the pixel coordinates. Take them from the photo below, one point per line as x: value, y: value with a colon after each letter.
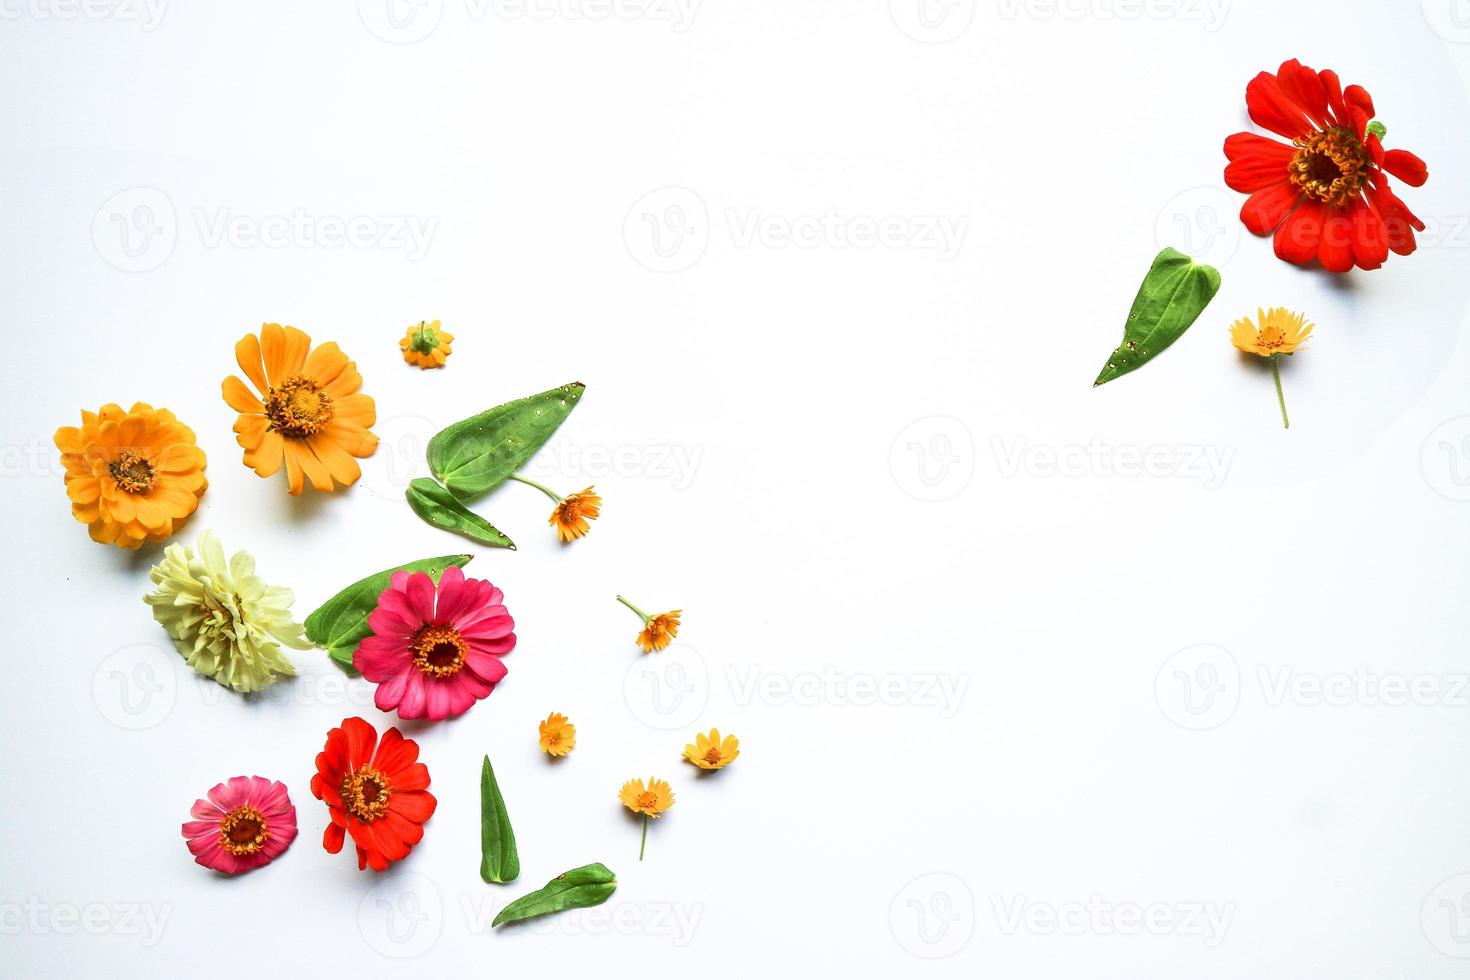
x: 713, y: 755
x: 1331, y: 166
x: 438, y: 650
x: 647, y: 802
x: 298, y: 408
x: 132, y: 473
x: 1271, y: 337
x: 243, y: 831
x: 365, y: 794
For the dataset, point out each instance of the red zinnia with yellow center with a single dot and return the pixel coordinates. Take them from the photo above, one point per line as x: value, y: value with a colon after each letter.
x: 1325, y: 196
x: 379, y: 797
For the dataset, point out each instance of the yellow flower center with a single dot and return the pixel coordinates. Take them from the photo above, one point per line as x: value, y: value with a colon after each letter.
x: 1331, y: 166
x: 713, y: 755
x: 1271, y: 337
x: 365, y: 794
x: 298, y: 408
x: 243, y: 831
x: 132, y: 473
x: 438, y: 650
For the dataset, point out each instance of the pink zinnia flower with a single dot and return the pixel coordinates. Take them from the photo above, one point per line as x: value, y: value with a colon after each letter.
x: 246, y: 823
x: 435, y: 660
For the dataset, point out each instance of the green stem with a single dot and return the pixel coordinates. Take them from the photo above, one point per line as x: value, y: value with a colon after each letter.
x: 641, y: 614
x: 644, y: 843
x: 532, y: 483
x: 1276, y: 373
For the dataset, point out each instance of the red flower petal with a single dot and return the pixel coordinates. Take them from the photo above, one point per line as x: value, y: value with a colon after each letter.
x: 1357, y: 95
x: 1406, y: 167
x: 1273, y: 109
x: 1305, y: 88
x: 1242, y: 145
x: 1335, y: 103
x: 1370, y: 238
x: 1335, y: 251
x: 1254, y: 173
x: 1264, y: 211
x: 1300, y: 234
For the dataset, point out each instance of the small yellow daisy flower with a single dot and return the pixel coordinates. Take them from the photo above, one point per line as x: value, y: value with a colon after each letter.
x: 1280, y: 332
x: 572, y: 512
x: 658, y: 631
x: 710, y: 752
x: 426, y: 345
x: 558, y: 735
x: 651, y: 801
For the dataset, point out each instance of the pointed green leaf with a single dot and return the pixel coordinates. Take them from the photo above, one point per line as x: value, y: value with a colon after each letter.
x: 1173, y: 295
x: 341, y: 622
x: 474, y: 456
x: 579, y: 888
x: 499, y: 861
x: 439, y: 507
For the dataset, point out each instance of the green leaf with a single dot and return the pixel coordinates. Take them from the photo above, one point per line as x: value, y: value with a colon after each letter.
x: 341, y: 623
x: 499, y: 861
x: 579, y: 888
x: 1173, y: 295
x: 473, y: 457
x: 437, y: 506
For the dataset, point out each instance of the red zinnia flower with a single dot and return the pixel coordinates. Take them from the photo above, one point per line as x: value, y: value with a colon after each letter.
x: 1326, y: 195
x: 380, y: 799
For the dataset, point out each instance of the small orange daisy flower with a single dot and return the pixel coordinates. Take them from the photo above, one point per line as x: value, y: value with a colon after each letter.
x: 309, y: 414
x: 558, y: 735
x: 652, y: 801
x: 658, y: 631
x: 712, y: 752
x: 572, y: 512
x: 426, y: 345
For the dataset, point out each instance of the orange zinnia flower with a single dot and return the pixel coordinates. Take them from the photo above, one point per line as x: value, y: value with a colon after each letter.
x: 309, y: 414
x: 132, y: 476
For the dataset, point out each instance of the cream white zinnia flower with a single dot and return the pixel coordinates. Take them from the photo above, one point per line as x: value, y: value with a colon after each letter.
x: 223, y: 618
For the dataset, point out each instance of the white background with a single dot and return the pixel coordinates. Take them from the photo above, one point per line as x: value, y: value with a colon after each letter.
x: 895, y: 476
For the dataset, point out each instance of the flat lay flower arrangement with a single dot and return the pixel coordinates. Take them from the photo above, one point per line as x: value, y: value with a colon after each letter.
x: 429, y: 639
x: 433, y: 642
x: 1323, y: 195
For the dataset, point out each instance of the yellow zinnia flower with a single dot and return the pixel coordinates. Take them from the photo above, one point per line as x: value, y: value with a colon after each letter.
x: 426, y: 345
x: 558, y: 735
x: 651, y: 801
x: 709, y: 752
x: 309, y: 415
x: 132, y: 476
x: 1280, y: 331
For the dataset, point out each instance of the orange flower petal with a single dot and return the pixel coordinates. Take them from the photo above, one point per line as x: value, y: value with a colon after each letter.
x: 339, y: 463
x: 239, y: 397
x: 295, y: 475
x: 247, y: 355
x: 266, y: 458
x: 325, y: 363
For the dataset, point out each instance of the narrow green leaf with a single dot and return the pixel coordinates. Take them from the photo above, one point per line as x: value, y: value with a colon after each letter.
x: 499, y: 861
x: 437, y: 506
x: 473, y: 457
x: 579, y: 888
x: 1173, y: 295
x: 341, y: 622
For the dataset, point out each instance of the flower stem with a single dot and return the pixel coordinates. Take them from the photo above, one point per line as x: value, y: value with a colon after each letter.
x: 1276, y: 373
x: 644, y: 842
x: 641, y: 614
x: 532, y: 483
